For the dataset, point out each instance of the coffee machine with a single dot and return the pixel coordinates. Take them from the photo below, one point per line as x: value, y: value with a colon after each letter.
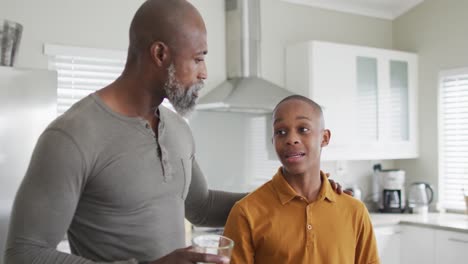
x: 391, y: 190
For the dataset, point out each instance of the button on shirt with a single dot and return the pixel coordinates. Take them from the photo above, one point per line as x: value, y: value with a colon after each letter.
x: 276, y: 225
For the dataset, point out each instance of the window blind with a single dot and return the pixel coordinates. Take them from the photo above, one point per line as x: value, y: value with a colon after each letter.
x: 453, y: 138
x: 80, y: 76
x: 82, y: 71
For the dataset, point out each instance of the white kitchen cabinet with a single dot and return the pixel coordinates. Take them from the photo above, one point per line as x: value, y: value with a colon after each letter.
x: 388, y: 243
x: 451, y: 247
x: 417, y: 245
x: 368, y: 95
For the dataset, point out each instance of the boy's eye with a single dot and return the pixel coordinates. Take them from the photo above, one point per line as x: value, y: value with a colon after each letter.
x: 280, y: 132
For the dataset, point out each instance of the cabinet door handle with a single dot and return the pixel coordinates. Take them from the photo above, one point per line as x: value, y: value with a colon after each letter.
x: 458, y: 240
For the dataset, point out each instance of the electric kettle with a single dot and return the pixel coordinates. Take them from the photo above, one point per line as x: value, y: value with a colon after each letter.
x: 420, y: 195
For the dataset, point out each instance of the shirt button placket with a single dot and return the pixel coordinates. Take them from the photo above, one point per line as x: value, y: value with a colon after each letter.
x: 308, y: 227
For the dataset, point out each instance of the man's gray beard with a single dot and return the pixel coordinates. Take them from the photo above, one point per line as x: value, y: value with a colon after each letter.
x: 182, y: 100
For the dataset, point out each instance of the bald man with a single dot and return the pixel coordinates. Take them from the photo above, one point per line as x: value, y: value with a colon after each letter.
x: 117, y: 172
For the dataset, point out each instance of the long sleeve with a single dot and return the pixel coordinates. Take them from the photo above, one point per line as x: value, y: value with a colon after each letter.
x: 46, y: 202
x: 366, y: 248
x: 204, y: 207
x: 238, y: 229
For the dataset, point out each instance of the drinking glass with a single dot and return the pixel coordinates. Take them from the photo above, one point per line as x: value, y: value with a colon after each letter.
x: 213, y: 244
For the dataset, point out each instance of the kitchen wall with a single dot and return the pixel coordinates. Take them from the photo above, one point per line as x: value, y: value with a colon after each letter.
x: 437, y: 31
x: 99, y: 24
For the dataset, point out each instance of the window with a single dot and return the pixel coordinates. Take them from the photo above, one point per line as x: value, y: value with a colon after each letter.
x: 82, y: 71
x: 453, y: 138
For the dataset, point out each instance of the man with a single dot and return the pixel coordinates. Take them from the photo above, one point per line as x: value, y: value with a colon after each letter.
x: 118, y: 171
x: 297, y: 217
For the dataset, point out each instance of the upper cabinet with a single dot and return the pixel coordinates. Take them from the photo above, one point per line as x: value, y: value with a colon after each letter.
x: 368, y: 95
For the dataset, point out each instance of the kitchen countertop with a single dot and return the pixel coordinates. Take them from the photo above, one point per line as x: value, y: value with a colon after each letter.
x: 443, y: 221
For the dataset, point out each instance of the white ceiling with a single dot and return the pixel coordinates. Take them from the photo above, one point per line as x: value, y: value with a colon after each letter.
x: 386, y: 9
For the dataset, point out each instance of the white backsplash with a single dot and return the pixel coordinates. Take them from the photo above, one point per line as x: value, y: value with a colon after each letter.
x: 235, y: 153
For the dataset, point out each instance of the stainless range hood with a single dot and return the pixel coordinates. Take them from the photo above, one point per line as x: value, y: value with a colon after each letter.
x: 244, y: 90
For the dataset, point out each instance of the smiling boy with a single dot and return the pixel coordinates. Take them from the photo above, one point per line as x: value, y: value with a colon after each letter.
x: 296, y: 217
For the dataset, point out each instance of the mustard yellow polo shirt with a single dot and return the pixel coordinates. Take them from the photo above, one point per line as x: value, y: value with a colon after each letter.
x: 275, y: 225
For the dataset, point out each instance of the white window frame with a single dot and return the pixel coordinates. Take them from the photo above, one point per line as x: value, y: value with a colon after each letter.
x: 441, y: 145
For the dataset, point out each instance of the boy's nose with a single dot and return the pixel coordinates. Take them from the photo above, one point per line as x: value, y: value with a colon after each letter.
x: 292, y: 140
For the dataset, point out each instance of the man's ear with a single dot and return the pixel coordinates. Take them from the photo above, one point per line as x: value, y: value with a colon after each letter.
x: 325, y: 138
x: 159, y: 53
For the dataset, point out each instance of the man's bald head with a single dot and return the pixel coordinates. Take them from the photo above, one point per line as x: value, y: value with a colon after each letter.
x: 171, y: 22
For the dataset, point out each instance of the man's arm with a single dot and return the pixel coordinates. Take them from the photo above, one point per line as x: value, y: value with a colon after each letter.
x: 366, y: 248
x: 204, y: 207
x: 238, y: 229
x: 46, y: 201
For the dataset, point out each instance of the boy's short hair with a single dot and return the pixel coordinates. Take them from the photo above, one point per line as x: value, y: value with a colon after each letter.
x: 309, y: 101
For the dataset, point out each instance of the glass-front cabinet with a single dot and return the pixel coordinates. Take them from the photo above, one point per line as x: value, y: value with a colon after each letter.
x: 368, y: 95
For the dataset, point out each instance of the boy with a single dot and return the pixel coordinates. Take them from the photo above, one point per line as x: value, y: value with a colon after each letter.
x: 296, y: 217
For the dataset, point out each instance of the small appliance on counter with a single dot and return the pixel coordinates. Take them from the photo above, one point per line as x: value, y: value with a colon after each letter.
x: 391, y: 189
x: 420, y: 195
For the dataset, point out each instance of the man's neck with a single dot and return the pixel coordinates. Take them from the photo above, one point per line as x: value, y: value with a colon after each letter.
x: 307, y: 185
x: 132, y: 96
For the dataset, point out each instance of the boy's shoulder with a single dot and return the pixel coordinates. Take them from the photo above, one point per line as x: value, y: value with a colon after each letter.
x: 349, y: 203
x: 259, y: 197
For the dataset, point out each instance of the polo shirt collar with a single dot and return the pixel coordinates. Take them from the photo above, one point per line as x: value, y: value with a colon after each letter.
x: 286, y: 193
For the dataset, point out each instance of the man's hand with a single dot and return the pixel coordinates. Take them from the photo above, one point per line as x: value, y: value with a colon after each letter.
x: 337, y: 187
x: 188, y: 256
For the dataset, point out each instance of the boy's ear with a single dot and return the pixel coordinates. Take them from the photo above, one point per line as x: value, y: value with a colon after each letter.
x: 325, y: 138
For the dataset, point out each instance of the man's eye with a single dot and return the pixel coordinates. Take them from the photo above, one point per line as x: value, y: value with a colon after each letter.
x: 304, y: 129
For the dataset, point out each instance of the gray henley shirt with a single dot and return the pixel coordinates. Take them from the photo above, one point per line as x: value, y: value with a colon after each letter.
x: 119, y: 191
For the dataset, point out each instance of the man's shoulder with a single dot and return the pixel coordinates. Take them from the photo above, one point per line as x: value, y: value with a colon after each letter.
x: 80, y: 113
x: 86, y: 123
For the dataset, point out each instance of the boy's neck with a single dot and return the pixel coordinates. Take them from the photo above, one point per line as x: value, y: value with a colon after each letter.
x: 307, y: 185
